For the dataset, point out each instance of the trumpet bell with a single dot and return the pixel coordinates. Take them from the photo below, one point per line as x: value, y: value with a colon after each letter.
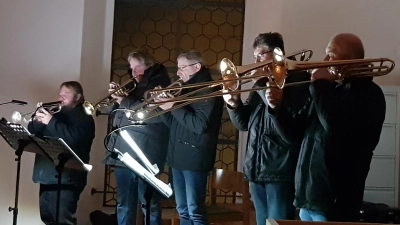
x: 89, y: 108
x: 16, y: 117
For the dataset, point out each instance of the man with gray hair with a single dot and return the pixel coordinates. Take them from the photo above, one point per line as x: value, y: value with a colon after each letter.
x: 194, y: 130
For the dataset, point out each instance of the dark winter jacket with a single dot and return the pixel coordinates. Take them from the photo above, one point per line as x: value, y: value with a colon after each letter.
x: 194, y: 130
x: 151, y: 138
x: 77, y: 129
x: 270, y: 157
x: 343, y: 128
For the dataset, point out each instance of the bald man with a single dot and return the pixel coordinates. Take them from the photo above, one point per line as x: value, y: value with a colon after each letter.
x: 344, y: 126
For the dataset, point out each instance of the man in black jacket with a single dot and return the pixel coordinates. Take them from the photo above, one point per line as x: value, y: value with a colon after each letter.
x: 77, y: 130
x: 270, y: 160
x: 343, y: 129
x: 194, y: 130
x: 151, y: 138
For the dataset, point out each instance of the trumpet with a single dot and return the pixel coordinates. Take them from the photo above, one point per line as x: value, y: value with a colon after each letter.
x: 51, y: 107
x: 139, y: 112
x: 107, y: 101
x: 279, y: 66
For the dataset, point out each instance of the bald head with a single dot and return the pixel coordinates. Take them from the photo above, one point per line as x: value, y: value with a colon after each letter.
x: 345, y: 46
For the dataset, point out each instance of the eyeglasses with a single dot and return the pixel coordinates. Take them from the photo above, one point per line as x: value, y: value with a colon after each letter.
x: 183, y: 67
x: 261, y: 54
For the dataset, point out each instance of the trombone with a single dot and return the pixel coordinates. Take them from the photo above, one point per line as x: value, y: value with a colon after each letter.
x: 304, y: 55
x: 51, y: 107
x: 123, y: 91
x: 144, y: 108
x: 279, y: 66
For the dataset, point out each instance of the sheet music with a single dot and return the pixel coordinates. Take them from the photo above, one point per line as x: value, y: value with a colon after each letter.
x: 54, y: 146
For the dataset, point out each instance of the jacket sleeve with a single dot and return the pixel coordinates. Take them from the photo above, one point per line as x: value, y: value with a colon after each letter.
x: 36, y: 127
x: 72, y: 133
x: 325, y: 104
x: 357, y: 107
x: 291, y: 119
x: 240, y: 116
x: 196, y: 117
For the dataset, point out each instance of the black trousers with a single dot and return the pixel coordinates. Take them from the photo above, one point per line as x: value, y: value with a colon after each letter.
x: 69, y: 197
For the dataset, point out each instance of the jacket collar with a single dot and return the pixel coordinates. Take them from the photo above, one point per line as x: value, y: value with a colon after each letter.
x: 149, y: 73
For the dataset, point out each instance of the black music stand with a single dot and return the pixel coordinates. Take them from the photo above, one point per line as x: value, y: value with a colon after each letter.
x: 154, y: 183
x: 18, y: 138
x: 63, y: 157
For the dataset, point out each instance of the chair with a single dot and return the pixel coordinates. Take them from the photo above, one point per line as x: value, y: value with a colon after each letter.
x: 233, y: 182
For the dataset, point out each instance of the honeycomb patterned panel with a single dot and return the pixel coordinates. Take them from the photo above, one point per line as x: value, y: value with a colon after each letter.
x: 166, y: 28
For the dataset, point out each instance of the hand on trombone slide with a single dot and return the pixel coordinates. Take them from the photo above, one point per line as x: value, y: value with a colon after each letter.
x: 274, y: 95
x: 232, y: 100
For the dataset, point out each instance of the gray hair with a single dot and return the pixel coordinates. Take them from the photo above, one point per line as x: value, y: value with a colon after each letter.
x: 143, y: 56
x: 193, y: 56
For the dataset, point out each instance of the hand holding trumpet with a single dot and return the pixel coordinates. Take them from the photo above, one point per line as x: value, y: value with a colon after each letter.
x: 42, y: 115
x: 111, y: 88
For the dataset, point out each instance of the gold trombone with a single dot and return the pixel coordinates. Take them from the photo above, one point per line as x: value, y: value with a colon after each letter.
x: 51, y: 107
x: 279, y: 66
x: 141, y: 115
x: 122, y: 91
x: 141, y: 110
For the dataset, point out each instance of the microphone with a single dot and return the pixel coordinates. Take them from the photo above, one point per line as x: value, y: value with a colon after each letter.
x: 17, y: 102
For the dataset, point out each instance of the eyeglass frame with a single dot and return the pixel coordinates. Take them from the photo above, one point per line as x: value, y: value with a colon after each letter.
x: 183, y: 67
x: 259, y: 55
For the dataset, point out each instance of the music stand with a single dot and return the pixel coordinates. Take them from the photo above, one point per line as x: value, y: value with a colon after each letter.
x: 62, y: 156
x: 155, y: 184
x: 18, y: 138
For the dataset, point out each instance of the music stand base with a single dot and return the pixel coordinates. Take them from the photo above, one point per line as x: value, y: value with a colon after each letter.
x: 21, y: 145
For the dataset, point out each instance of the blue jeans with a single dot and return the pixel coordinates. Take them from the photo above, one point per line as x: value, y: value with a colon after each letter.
x: 273, y: 200
x: 310, y: 215
x: 69, y: 197
x: 190, y: 195
x: 129, y: 190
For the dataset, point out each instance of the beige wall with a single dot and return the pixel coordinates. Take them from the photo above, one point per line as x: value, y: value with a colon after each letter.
x: 310, y: 24
x: 44, y: 43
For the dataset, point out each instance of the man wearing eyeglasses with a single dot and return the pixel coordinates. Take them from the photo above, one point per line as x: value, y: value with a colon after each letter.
x: 194, y: 130
x: 270, y: 161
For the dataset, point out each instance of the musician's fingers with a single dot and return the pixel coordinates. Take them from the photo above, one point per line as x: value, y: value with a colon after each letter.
x: 44, y: 111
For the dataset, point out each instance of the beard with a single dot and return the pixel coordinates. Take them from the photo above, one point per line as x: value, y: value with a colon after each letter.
x: 70, y: 106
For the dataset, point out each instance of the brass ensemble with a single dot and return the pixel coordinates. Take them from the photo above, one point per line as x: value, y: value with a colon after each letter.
x: 279, y: 66
x: 51, y: 107
x: 107, y: 101
x: 186, y: 99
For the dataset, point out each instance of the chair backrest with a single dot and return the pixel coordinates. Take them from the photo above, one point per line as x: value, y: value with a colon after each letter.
x: 231, y: 181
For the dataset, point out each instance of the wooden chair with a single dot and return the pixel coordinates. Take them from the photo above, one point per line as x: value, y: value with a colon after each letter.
x: 235, y: 210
